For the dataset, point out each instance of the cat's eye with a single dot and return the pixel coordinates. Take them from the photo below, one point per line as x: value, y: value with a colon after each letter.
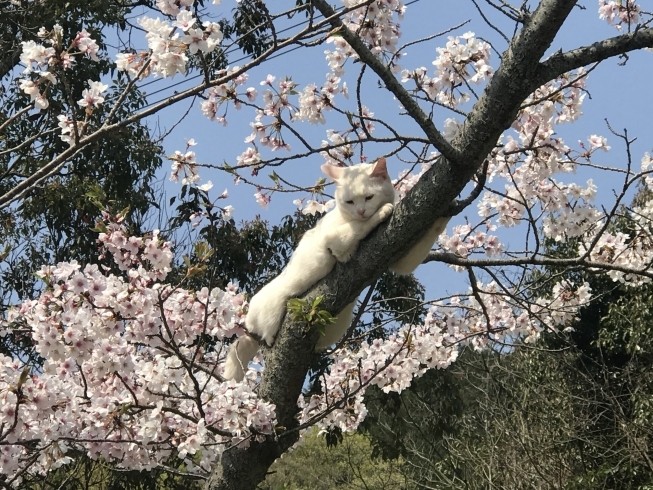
x: 350, y: 202
x: 369, y: 197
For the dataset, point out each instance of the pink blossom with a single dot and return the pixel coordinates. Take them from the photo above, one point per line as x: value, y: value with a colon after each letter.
x: 86, y: 44
x: 262, y: 199
x: 268, y: 80
x: 598, y: 142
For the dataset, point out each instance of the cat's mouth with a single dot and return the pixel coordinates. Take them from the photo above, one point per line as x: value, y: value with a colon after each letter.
x: 361, y: 217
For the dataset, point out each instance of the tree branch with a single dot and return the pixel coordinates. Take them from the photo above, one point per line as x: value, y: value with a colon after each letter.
x: 391, y: 83
x: 560, y: 63
x: 453, y: 259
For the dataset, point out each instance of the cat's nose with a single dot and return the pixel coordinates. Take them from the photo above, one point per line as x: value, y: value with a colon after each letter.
x: 361, y: 212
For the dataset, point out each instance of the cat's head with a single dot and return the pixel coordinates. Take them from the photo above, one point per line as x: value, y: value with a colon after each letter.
x: 362, y: 189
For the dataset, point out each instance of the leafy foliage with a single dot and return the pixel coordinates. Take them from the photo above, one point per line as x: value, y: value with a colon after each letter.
x: 88, y: 474
x: 250, y: 27
x: 316, y: 465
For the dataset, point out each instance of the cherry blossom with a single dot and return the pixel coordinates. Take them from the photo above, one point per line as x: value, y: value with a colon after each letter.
x: 598, y: 142
x: 227, y: 212
x: 67, y: 128
x: 47, y: 58
x: 172, y: 7
x: 186, y: 164
x: 120, y: 355
x: 249, y: 158
x: 313, y: 206
x: 92, y: 97
x: 262, y: 199
x: 132, y: 63
x: 36, y: 53
x: 86, y: 45
x: 619, y: 12
x: 464, y: 59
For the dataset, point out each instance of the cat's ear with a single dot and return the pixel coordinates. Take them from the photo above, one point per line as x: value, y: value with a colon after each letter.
x: 380, y: 169
x: 332, y: 171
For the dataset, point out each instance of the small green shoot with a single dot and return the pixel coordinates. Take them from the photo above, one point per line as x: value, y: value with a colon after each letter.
x: 303, y: 311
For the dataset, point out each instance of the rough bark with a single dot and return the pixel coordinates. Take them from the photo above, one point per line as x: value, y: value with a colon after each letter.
x: 518, y: 76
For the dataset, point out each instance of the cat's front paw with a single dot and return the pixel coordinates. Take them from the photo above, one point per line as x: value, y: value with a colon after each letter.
x: 385, y: 211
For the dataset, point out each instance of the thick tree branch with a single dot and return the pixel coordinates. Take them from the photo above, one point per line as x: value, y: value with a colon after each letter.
x: 560, y: 63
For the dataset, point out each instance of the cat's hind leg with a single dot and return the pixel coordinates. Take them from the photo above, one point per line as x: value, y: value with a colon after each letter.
x: 334, y: 332
x: 416, y: 255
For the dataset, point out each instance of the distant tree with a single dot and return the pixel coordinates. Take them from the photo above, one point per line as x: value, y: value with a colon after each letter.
x: 349, y: 465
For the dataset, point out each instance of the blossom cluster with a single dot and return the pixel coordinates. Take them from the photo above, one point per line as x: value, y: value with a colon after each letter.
x: 43, y: 61
x: 127, y: 373
x: 340, y: 146
x: 173, y: 7
x: 463, y: 60
x: 92, y: 96
x: 226, y: 92
x: 144, y: 259
x: 375, y: 24
x: 262, y: 198
x: 392, y: 364
x: 312, y: 206
x: 184, y: 163
x: 389, y: 364
x: 528, y: 165
x: 464, y: 241
x: 311, y: 105
x: 314, y: 101
x: 168, y: 47
x: 631, y: 248
x: 619, y: 12
x: 46, y: 62
x: 67, y: 126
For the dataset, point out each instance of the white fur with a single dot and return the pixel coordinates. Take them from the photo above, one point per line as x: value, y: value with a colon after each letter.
x: 364, y: 198
x: 241, y: 352
x: 333, y: 332
x: 416, y: 255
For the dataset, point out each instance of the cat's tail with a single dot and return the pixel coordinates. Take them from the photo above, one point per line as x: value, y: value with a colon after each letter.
x: 241, y: 352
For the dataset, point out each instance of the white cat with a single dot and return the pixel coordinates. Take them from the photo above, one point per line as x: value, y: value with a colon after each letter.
x: 364, y: 198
